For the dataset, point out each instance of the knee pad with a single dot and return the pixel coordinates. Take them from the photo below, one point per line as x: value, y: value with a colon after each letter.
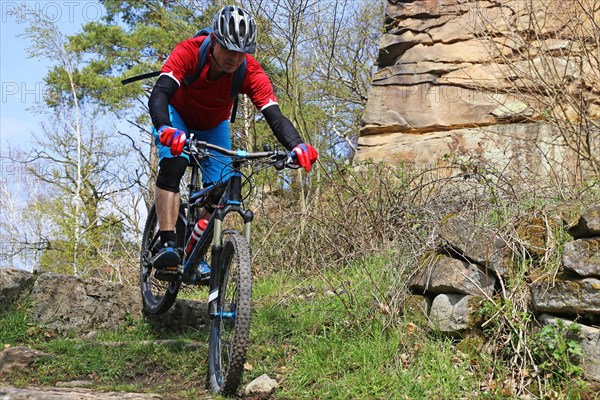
x: 170, y: 172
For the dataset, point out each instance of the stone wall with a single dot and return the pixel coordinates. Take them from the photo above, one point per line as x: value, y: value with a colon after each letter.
x: 452, y: 282
x: 463, y: 76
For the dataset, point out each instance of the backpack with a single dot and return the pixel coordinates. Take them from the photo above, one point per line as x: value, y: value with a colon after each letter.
x: 238, y: 75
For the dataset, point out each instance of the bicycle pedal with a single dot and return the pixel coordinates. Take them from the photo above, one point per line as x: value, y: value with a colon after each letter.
x: 203, y: 280
x: 197, y: 279
x: 170, y: 273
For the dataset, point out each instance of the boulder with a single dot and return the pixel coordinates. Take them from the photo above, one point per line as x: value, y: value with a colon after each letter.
x: 261, y: 385
x: 476, y: 243
x: 443, y: 274
x: 18, y: 358
x: 582, y: 257
x: 589, y: 339
x: 454, y: 313
x: 588, y: 225
x: 64, y: 303
x: 564, y: 296
x: 13, y: 282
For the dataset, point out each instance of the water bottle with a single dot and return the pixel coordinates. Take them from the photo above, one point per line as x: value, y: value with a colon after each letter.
x: 196, y: 234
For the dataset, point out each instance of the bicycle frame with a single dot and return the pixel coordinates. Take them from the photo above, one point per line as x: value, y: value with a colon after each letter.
x: 225, y: 198
x: 231, y: 201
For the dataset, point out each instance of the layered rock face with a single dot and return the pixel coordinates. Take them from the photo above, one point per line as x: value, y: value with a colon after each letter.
x: 478, y: 78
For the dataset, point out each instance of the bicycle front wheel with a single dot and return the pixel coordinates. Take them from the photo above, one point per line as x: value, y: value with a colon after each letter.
x: 230, y: 327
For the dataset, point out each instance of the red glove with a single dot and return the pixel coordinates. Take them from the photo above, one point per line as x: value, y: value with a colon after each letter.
x: 306, y: 155
x: 173, y: 138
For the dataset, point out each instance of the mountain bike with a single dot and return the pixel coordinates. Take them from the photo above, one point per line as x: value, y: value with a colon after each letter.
x: 228, y: 253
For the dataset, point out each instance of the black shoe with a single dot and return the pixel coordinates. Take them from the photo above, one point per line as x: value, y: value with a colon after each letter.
x: 166, y: 263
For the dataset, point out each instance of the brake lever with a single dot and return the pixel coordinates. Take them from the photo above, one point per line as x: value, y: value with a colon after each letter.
x: 198, y: 151
x: 289, y: 163
x: 279, y: 165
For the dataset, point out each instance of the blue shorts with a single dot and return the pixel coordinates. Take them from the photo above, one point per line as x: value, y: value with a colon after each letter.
x: 214, y: 168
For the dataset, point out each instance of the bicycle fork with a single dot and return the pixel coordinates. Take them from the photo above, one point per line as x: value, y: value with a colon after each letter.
x: 233, y: 203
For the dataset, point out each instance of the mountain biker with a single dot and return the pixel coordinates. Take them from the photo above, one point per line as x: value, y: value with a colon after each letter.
x: 203, y: 108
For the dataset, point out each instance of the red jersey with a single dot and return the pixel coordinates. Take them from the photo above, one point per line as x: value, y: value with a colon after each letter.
x: 204, y: 104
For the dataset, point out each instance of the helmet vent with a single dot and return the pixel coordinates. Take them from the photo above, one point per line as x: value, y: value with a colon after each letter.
x: 235, y: 29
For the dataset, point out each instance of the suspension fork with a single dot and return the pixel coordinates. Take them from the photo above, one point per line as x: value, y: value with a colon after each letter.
x: 232, y: 202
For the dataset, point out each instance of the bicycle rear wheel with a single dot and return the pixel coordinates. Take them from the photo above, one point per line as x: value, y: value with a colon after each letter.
x: 157, y: 296
x: 230, y: 328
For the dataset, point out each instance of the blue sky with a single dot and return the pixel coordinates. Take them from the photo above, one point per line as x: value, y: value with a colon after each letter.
x: 21, y: 78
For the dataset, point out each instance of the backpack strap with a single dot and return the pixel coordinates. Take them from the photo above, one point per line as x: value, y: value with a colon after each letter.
x: 188, y: 80
x: 236, y: 86
x: 202, y: 58
x: 238, y: 79
x: 238, y: 75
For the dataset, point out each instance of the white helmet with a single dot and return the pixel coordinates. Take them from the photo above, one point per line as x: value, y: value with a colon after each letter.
x: 235, y: 29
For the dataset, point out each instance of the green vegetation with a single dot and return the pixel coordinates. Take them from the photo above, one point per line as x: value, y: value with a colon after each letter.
x: 331, y: 316
x: 320, y: 336
x: 320, y: 349
x: 303, y: 334
x: 559, y: 350
x: 14, y: 325
x: 332, y: 249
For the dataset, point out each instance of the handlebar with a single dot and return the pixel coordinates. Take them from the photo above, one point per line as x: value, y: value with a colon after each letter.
x: 288, y: 158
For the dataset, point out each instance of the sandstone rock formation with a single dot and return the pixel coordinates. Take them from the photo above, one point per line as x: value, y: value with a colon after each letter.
x: 464, y: 77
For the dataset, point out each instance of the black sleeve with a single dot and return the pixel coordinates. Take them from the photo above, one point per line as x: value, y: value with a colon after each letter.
x: 282, y: 127
x: 158, y: 104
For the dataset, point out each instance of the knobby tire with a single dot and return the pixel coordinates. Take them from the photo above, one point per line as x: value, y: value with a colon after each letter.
x: 228, y: 338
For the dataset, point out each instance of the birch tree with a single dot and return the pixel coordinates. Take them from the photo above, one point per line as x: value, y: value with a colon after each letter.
x: 77, y: 164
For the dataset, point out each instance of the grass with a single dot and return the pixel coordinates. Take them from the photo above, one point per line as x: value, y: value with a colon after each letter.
x: 319, y: 348
x: 14, y: 325
x: 131, y: 367
x: 320, y: 337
